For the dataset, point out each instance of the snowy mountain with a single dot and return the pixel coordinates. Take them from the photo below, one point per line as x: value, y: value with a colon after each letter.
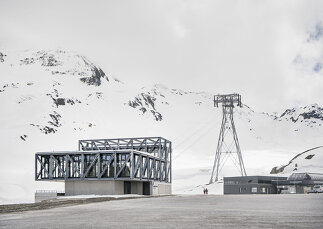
x: 51, y: 99
x: 309, y: 160
x: 309, y: 114
x: 60, y: 62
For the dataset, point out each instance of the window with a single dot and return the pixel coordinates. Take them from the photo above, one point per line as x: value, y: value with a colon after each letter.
x: 254, y: 189
x: 243, y: 189
x: 263, y: 190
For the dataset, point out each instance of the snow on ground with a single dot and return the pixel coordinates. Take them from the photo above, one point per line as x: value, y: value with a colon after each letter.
x: 307, y: 161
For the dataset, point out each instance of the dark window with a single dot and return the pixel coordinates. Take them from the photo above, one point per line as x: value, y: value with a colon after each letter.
x: 146, y: 188
x: 127, y: 187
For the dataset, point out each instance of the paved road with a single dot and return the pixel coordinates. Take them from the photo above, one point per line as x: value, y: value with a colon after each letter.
x: 249, y: 211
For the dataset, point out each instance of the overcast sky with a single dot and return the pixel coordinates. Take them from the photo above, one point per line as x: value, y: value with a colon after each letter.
x: 269, y: 51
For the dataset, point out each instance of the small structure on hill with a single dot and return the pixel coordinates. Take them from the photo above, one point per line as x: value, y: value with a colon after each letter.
x: 110, y: 167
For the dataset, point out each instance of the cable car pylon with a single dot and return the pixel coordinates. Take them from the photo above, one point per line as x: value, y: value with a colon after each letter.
x: 227, y: 131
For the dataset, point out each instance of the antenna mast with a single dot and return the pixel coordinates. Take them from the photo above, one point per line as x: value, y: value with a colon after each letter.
x: 224, y: 151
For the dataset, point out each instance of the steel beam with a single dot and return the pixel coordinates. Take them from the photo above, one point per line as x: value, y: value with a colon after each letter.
x: 145, y: 158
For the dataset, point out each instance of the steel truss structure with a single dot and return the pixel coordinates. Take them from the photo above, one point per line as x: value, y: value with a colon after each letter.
x: 224, y: 149
x: 147, y: 159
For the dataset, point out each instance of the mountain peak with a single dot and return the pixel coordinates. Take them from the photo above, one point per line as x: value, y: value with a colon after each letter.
x: 308, y: 114
x: 61, y: 62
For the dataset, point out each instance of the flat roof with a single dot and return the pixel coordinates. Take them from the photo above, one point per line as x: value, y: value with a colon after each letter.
x: 255, y: 177
x: 94, y: 152
x: 125, y: 139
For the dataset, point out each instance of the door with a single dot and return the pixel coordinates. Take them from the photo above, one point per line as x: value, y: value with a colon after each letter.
x: 146, y: 188
x: 127, y: 187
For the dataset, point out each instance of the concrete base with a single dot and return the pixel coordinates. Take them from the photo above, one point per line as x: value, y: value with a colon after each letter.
x: 160, y: 188
x: 94, y: 187
x: 104, y: 187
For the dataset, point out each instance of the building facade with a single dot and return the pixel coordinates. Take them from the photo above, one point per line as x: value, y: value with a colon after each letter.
x: 110, y: 167
x: 300, y: 183
x: 250, y: 185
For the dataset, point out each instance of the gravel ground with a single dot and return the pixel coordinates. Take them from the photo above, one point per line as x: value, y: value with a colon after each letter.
x: 64, y: 201
x: 198, y: 211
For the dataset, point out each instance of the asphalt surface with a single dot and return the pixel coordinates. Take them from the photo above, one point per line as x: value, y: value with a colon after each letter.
x: 247, y: 211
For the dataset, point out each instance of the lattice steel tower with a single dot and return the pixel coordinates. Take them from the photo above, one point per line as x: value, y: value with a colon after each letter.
x: 227, y: 149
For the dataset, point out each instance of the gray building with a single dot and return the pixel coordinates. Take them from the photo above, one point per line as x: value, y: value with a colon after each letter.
x: 110, y: 167
x: 300, y: 183
x: 295, y: 183
x: 251, y: 184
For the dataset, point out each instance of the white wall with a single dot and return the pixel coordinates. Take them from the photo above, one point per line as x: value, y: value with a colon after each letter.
x: 160, y: 188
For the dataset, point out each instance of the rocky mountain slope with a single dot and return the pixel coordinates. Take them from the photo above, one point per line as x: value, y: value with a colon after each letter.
x: 310, y: 115
x: 51, y: 99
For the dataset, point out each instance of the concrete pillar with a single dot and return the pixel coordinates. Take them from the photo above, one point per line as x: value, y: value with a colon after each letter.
x: 137, y: 187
